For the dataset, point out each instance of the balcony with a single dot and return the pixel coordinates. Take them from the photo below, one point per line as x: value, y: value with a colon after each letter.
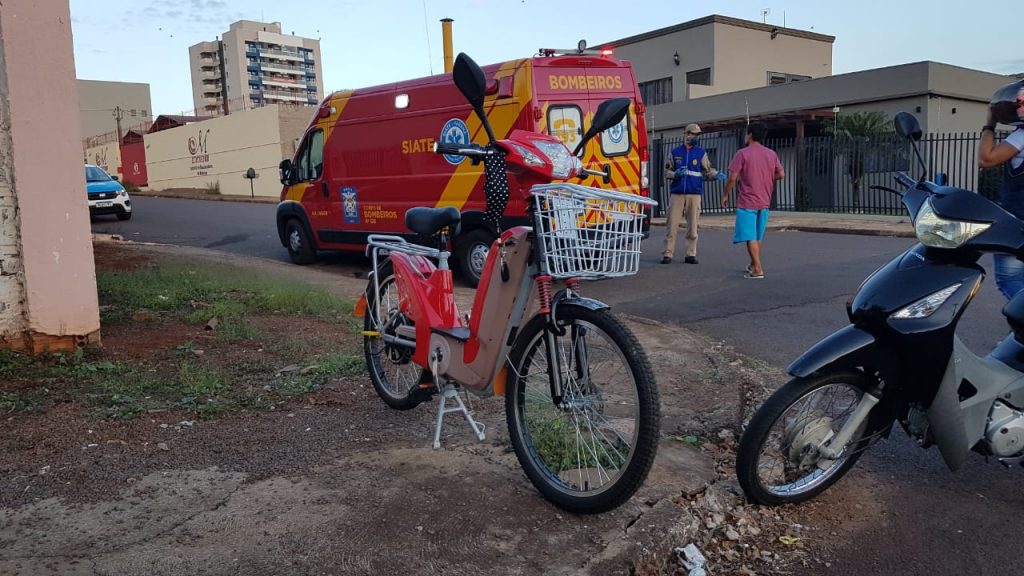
x: 282, y: 68
x: 283, y: 54
x: 285, y: 96
x: 284, y: 83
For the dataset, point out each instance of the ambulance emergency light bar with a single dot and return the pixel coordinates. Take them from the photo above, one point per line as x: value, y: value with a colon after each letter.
x: 580, y: 50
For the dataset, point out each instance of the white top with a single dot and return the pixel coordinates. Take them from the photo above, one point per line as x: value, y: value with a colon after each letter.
x: 1016, y: 139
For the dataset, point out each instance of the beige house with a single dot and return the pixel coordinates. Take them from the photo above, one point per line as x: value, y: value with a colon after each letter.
x: 718, y: 54
x: 215, y: 153
x: 100, y: 103
x: 254, y: 64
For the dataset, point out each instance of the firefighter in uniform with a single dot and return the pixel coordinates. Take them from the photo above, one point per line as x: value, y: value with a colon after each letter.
x: 686, y: 170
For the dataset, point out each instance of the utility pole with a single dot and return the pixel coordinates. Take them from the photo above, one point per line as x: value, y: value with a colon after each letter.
x: 118, y: 116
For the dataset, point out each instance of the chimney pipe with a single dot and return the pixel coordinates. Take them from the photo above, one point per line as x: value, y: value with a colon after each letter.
x: 446, y: 35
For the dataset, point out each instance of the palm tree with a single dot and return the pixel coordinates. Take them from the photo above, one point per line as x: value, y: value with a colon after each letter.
x: 852, y: 132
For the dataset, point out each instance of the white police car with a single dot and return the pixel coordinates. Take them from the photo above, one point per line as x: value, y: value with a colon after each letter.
x: 106, y: 194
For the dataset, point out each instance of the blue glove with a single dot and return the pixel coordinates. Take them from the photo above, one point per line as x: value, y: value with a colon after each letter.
x: 720, y: 177
x: 681, y: 173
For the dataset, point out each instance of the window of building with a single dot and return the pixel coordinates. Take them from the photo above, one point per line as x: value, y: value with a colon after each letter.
x: 701, y: 77
x: 776, y: 78
x: 656, y: 91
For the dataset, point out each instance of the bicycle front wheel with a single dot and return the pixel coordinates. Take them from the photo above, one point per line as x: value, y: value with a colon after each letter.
x: 593, y: 450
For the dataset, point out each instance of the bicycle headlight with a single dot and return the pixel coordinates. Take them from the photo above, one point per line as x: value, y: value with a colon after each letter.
x: 562, y: 161
x: 528, y: 155
x: 936, y: 232
x: 926, y: 306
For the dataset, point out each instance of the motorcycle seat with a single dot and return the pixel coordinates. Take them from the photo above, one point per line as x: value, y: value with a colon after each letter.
x: 429, y: 221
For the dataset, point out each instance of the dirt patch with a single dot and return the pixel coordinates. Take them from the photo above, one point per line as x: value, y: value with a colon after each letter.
x: 328, y: 480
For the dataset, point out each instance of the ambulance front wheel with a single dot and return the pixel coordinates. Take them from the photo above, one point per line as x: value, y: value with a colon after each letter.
x: 300, y: 249
x: 472, y: 254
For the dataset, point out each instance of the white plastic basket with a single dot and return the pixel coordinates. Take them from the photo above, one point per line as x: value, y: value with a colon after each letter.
x: 587, y: 232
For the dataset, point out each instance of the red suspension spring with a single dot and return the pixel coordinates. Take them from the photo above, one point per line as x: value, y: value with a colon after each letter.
x: 544, y: 294
x: 573, y: 284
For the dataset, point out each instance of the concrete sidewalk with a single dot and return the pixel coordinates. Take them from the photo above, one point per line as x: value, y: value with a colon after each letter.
x: 869, y: 225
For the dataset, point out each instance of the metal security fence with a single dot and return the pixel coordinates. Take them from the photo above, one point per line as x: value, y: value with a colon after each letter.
x: 830, y: 174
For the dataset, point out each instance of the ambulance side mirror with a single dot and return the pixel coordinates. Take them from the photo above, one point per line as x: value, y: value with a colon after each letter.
x: 470, y: 80
x: 608, y: 114
x: 286, y: 171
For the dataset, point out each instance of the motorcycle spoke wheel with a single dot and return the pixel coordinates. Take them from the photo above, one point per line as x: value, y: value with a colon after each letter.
x: 779, y: 459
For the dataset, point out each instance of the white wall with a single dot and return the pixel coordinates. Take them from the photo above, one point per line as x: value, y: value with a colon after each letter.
x: 218, y: 151
x: 106, y: 156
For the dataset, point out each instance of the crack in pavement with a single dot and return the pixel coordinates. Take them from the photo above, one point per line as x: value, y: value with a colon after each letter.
x: 144, y: 540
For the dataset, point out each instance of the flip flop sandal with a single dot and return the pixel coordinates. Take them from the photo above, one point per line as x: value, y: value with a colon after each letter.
x: 749, y: 275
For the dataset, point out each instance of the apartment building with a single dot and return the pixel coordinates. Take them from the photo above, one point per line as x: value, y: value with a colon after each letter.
x: 254, y: 64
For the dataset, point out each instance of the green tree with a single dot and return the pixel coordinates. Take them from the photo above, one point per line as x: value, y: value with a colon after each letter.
x: 852, y: 133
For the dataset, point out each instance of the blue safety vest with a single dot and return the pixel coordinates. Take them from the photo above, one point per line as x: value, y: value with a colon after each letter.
x: 689, y: 161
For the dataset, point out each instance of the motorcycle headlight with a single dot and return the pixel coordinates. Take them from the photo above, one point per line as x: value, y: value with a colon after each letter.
x: 937, y: 232
x: 562, y: 161
x: 926, y: 306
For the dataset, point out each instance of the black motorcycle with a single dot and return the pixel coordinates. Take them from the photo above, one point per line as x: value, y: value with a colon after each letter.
x: 900, y: 359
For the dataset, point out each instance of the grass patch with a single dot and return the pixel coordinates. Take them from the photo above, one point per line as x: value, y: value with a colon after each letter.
x: 199, y: 292
x: 236, y: 330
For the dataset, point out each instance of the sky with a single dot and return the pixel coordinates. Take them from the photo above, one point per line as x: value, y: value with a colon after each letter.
x: 369, y: 42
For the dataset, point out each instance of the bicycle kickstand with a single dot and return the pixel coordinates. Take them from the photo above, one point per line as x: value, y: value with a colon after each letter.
x: 449, y: 391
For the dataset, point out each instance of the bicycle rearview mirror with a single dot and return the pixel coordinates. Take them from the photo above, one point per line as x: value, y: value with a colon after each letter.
x: 608, y: 114
x: 470, y: 80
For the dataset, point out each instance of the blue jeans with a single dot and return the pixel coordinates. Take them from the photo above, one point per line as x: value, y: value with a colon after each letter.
x: 1009, y: 272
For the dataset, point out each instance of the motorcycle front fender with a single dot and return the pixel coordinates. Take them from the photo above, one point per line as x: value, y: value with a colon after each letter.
x: 846, y: 349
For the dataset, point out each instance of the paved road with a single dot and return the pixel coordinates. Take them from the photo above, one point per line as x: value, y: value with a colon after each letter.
x: 939, y: 521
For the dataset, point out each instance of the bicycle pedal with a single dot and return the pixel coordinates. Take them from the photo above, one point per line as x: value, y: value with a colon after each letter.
x: 424, y: 392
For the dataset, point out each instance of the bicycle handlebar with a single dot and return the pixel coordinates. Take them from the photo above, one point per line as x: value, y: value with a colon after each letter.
x: 469, y: 150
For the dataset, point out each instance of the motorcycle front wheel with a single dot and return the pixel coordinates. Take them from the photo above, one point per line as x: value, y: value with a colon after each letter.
x: 592, y: 451
x: 778, y: 460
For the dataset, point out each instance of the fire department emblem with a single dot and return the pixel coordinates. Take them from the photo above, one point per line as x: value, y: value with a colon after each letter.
x: 615, y: 133
x: 455, y: 131
x: 350, y: 205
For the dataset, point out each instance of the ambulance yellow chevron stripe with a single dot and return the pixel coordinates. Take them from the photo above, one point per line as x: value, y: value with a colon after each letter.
x: 338, y: 101
x: 502, y: 115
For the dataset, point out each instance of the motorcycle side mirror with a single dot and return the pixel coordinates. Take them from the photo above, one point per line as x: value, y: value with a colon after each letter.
x: 608, y: 114
x: 470, y: 80
x: 907, y: 126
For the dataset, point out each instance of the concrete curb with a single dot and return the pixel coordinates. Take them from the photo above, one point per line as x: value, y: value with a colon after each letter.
x: 210, y: 197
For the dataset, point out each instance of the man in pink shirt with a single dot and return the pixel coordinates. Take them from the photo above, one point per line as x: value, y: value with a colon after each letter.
x: 756, y: 168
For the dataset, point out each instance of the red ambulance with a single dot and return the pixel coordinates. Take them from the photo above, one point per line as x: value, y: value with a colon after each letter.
x: 367, y: 156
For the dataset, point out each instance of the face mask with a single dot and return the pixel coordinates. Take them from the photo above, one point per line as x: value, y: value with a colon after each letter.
x: 691, y: 140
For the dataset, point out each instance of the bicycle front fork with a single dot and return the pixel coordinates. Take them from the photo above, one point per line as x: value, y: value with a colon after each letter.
x: 577, y: 339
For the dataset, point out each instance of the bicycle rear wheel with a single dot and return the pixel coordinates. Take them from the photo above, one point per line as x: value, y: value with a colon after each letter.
x: 590, y: 453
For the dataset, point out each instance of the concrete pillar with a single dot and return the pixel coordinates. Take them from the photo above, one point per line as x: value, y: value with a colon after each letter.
x: 47, y: 277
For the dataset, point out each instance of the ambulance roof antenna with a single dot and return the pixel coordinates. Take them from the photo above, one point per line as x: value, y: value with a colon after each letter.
x: 426, y: 26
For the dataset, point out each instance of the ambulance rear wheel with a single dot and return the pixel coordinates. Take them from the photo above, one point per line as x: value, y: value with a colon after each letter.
x: 300, y: 249
x: 472, y: 254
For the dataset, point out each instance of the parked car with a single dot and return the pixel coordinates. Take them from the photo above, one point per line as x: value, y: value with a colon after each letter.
x: 106, y: 194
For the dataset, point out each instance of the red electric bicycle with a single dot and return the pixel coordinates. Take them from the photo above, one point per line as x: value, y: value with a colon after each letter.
x: 581, y: 401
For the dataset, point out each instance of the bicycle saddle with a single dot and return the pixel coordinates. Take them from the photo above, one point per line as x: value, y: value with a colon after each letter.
x: 428, y: 221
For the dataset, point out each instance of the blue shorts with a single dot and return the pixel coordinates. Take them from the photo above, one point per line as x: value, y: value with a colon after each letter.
x: 750, y: 225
